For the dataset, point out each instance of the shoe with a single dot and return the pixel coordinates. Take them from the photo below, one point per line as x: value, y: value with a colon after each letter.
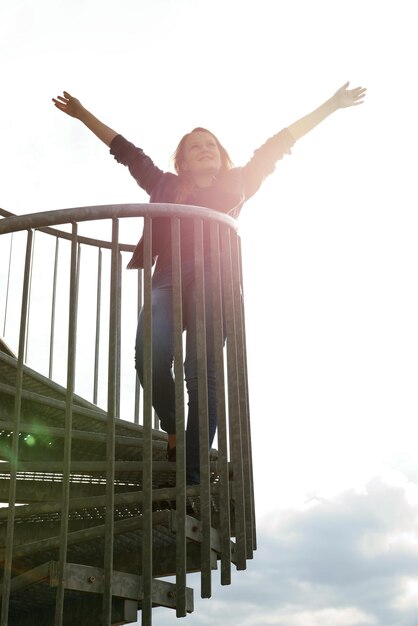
x: 171, y: 454
x: 213, y: 454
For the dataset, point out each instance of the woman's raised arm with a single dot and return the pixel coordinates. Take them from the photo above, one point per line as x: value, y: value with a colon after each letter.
x: 73, y: 107
x: 342, y: 98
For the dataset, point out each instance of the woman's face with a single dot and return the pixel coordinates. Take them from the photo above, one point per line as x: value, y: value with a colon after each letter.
x: 201, y: 157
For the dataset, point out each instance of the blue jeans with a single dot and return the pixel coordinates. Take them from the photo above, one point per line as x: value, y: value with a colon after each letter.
x: 163, y: 395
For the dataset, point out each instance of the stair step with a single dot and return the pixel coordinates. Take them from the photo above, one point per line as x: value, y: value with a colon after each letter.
x: 37, y: 585
x: 86, y: 545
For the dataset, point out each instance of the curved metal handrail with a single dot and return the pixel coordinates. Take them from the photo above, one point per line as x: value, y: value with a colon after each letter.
x: 90, y: 213
x: 63, y: 234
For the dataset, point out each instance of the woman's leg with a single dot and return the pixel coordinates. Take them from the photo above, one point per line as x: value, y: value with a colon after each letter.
x: 190, y: 366
x: 163, y: 398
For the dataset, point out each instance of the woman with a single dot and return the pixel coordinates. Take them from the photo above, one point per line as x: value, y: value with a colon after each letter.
x: 204, y: 177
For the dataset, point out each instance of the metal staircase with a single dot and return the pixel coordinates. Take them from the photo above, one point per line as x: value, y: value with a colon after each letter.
x: 94, y: 516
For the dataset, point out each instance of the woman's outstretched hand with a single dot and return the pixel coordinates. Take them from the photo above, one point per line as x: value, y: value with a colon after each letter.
x: 345, y: 97
x: 69, y: 105
x: 73, y: 107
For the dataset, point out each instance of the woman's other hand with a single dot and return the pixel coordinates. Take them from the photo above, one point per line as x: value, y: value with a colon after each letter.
x: 345, y: 97
x: 68, y: 104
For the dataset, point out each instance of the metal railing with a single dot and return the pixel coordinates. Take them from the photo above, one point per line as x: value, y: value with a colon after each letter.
x: 58, y: 322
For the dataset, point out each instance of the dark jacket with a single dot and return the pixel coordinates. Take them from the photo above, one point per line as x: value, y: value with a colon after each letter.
x: 228, y: 193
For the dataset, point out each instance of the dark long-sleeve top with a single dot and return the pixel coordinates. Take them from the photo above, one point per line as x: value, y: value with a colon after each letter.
x: 230, y: 189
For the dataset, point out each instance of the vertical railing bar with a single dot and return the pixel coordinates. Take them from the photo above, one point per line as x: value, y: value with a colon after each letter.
x: 118, y: 334
x: 243, y: 412
x: 137, y: 383
x: 29, y: 298
x: 201, y: 356
x: 15, y: 440
x: 147, y: 431
x: 53, y: 309
x: 78, y: 272
x: 247, y: 400
x: 8, y: 284
x: 136, y: 407
x: 111, y: 415
x: 71, y: 360
x: 97, y: 334
x: 181, y: 561
x: 218, y: 333
x: 233, y: 403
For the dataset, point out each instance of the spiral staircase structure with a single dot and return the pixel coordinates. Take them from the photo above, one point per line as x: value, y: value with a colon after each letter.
x: 96, y: 525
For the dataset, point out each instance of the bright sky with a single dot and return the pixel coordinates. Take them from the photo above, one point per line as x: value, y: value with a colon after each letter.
x: 330, y: 256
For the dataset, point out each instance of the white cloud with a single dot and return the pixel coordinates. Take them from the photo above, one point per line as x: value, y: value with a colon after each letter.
x: 336, y: 563
x: 347, y: 616
x: 407, y: 599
